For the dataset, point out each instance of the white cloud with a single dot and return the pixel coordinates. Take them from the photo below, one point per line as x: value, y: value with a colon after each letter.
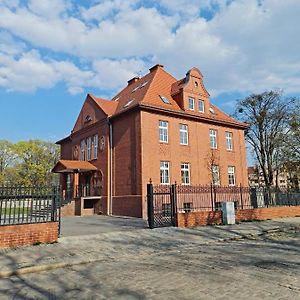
x: 30, y: 72
x: 106, y: 9
x: 47, y: 8
x: 246, y: 46
x: 115, y: 73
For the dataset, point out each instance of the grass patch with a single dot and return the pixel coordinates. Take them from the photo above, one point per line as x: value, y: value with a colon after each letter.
x: 15, y: 211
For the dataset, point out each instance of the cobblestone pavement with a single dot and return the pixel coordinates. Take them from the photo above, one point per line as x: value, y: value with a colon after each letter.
x: 262, y: 267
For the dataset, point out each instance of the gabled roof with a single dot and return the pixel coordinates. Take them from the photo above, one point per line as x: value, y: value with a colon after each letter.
x: 108, y: 107
x: 147, y: 92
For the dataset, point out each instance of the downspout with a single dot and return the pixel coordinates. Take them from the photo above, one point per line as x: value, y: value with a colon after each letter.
x: 110, y: 166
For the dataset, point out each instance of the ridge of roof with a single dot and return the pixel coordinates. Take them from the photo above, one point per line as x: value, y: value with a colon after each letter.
x: 107, y: 106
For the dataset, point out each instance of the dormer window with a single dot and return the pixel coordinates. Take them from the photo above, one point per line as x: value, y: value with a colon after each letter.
x: 145, y: 83
x: 191, y: 103
x: 128, y: 103
x: 201, y: 106
x: 135, y: 89
x: 164, y: 99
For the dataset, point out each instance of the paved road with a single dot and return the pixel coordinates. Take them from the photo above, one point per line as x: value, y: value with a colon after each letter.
x: 78, y: 226
x: 267, y: 267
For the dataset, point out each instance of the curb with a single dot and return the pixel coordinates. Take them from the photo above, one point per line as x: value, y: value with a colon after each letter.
x: 40, y: 268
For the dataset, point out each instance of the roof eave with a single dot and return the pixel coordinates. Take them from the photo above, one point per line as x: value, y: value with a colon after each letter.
x: 66, y: 139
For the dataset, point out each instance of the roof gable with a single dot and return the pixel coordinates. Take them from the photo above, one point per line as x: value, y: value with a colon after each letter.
x: 90, y: 113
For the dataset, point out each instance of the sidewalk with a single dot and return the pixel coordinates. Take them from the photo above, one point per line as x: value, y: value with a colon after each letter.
x: 74, y: 250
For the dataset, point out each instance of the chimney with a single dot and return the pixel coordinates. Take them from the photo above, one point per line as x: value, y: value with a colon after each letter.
x: 155, y: 67
x: 133, y: 80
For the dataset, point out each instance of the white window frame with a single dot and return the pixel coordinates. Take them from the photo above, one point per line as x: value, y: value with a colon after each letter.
x: 231, y: 176
x: 229, y: 140
x: 164, y: 172
x: 82, y: 149
x: 213, y: 139
x: 184, y: 134
x: 163, y: 131
x: 185, y: 173
x: 88, y: 148
x: 215, y: 173
x: 95, y: 146
x: 202, y: 105
x: 191, y: 103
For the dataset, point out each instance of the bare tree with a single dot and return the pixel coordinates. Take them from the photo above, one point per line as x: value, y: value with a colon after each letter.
x: 267, y: 115
x: 213, y: 166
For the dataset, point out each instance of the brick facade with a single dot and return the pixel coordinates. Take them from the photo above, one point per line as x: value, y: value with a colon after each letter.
x: 134, y: 155
x: 28, y: 234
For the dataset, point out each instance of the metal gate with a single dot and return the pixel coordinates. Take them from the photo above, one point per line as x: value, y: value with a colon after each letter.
x: 161, y: 205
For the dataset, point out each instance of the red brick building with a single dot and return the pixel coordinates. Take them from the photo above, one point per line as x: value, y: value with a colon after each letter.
x: 157, y: 127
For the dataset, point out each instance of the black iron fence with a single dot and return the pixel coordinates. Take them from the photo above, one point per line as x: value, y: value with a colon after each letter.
x: 25, y: 205
x: 164, y: 201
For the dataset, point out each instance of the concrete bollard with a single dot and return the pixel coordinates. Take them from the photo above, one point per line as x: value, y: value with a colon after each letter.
x: 228, y: 213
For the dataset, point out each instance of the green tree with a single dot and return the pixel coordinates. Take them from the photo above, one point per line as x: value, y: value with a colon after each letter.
x: 35, y: 159
x: 268, y: 116
x: 7, y: 158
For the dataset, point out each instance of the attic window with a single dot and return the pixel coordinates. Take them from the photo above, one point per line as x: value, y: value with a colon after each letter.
x: 135, y: 89
x: 164, y: 99
x: 143, y: 84
x: 87, y: 119
x: 128, y: 103
x: 211, y: 110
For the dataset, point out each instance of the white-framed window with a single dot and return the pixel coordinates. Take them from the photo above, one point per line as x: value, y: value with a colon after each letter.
x: 184, y: 134
x: 185, y: 173
x: 215, y: 170
x: 213, y: 138
x: 164, y: 172
x: 229, y: 144
x: 88, y: 148
x: 95, y: 146
x: 191, y: 103
x: 201, y: 107
x: 82, y: 150
x: 231, y: 175
x: 163, y: 131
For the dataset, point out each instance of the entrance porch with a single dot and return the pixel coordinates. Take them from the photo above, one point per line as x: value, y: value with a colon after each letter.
x: 82, y: 186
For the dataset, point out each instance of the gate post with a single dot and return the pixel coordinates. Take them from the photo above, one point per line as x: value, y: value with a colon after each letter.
x: 150, y: 205
x: 174, y: 204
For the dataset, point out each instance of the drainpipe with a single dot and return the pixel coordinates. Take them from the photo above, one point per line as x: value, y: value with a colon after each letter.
x: 110, y: 166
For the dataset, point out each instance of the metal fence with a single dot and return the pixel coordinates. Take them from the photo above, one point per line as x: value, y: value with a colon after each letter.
x: 164, y: 201
x: 25, y: 205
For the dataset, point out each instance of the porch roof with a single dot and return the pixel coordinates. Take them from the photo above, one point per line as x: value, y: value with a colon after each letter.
x: 73, y: 166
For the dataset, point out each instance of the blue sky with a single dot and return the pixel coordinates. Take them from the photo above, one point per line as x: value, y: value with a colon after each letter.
x: 54, y: 52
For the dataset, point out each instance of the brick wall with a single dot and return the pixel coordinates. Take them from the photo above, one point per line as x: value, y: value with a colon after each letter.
x: 28, y: 234
x: 127, y: 206
x: 199, y: 218
x: 215, y: 217
x: 267, y: 213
